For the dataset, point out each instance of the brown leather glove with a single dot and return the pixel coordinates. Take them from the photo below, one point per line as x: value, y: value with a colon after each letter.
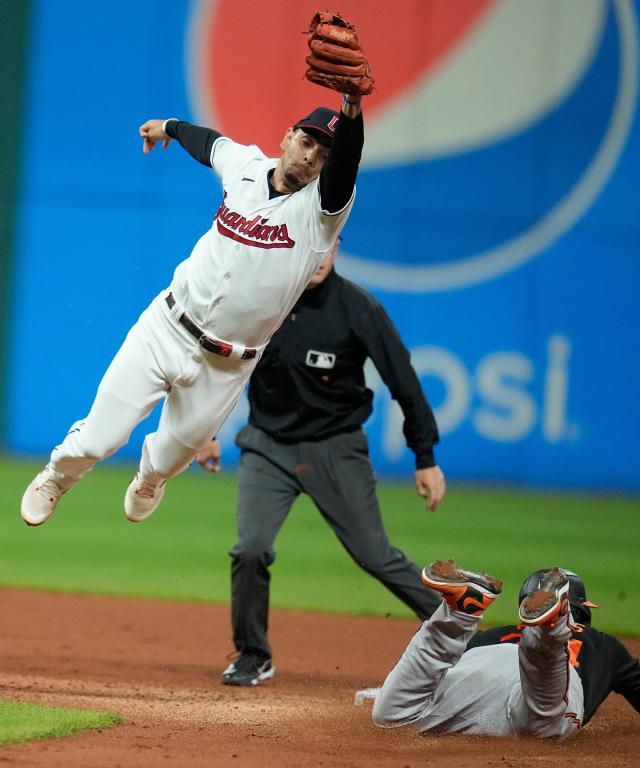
x: 337, y: 60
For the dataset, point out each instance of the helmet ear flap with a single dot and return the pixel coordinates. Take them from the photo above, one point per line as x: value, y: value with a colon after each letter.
x: 580, y: 613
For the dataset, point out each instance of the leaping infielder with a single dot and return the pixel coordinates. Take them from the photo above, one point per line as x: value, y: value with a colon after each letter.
x: 197, y: 343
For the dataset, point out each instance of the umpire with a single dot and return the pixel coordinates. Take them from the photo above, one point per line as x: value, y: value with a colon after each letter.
x: 308, y: 401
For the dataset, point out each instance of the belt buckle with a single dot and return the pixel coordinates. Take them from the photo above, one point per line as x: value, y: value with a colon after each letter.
x: 202, y: 340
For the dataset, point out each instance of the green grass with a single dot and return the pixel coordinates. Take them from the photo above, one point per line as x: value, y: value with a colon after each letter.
x: 181, y: 552
x: 21, y: 721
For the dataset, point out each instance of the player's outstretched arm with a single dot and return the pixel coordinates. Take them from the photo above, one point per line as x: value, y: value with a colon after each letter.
x: 198, y: 141
x: 337, y: 61
x: 351, y: 105
x: 338, y: 176
x: 151, y: 132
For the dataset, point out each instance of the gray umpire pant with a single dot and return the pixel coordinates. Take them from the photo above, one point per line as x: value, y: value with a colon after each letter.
x: 337, y: 474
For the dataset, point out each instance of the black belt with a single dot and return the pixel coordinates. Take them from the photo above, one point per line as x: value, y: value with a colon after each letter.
x: 206, y: 342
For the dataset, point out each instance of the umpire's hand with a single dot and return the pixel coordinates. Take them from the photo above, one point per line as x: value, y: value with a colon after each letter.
x: 430, y: 485
x: 209, y: 456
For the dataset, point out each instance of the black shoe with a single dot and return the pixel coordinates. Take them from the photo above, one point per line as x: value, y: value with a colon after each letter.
x: 248, y: 669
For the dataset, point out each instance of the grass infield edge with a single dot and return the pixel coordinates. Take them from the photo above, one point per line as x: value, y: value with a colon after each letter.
x: 22, y: 721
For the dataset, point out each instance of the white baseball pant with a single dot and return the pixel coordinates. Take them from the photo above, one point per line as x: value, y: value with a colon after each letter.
x: 158, y: 360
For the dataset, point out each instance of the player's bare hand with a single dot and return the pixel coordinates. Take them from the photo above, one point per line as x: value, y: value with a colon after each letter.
x: 151, y: 132
x: 209, y: 456
x: 430, y: 485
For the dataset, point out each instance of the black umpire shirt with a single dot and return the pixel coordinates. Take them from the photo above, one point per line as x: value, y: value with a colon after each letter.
x: 309, y: 383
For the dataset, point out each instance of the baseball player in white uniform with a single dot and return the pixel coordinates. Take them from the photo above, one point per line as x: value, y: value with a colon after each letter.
x: 197, y: 343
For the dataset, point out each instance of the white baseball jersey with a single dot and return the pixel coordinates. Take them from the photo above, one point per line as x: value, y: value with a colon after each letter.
x: 240, y: 281
x: 246, y: 273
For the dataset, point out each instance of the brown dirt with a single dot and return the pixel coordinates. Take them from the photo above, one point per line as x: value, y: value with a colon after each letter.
x: 159, y: 664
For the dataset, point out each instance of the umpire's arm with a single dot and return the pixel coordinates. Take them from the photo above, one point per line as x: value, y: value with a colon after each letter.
x: 392, y: 360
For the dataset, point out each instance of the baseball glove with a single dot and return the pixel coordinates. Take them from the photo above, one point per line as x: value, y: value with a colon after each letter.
x: 337, y: 60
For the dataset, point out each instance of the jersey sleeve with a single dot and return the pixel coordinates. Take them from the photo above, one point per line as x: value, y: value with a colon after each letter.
x: 195, y: 139
x: 210, y: 147
x: 338, y: 177
x: 334, y: 191
x: 626, y: 676
x: 227, y: 156
x: 324, y: 227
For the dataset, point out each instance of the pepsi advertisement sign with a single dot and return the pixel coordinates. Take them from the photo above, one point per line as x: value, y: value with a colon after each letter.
x: 495, y: 215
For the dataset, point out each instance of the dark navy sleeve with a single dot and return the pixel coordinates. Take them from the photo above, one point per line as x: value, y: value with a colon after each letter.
x: 338, y: 175
x: 196, y: 140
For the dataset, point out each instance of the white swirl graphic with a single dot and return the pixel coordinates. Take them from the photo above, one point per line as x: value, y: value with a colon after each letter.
x: 507, y: 256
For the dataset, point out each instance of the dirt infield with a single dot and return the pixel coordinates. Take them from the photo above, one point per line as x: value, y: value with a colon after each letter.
x: 159, y: 663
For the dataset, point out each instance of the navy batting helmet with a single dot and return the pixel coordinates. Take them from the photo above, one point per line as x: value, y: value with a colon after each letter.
x: 580, y: 606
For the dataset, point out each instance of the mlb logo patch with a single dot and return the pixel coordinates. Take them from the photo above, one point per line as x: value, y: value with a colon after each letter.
x: 317, y: 359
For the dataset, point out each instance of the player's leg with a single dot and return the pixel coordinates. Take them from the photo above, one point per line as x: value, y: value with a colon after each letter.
x: 130, y: 388
x: 342, y: 484
x: 410, y: 691
x: 550, y: 703
x: 266, y: 491
x: 107, y: 427
x: 203, y: 392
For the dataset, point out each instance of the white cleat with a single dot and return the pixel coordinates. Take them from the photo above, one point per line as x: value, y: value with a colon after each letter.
x: 142, y: 498
x: 41, y: 498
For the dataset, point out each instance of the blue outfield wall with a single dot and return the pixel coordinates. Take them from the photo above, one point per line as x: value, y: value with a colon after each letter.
x: 496, y: 216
